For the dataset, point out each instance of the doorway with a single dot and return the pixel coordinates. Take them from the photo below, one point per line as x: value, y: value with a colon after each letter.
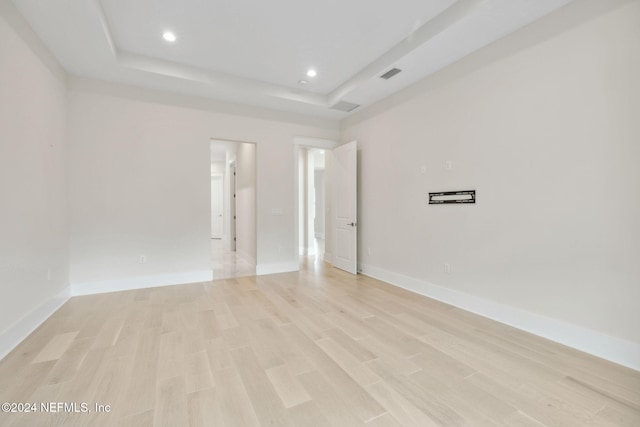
x: 326, y: 221
x: 313, y: 232
x: 312, y: 202
x: 233, y: 209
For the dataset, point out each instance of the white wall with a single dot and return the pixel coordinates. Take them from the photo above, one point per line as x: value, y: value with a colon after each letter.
x: 139, y: 183
x: 545, y: 126
x: 246, y: 201
x: 33, y: 199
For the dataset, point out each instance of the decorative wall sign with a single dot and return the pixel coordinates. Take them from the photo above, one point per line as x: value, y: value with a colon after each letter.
x: 447, y: 197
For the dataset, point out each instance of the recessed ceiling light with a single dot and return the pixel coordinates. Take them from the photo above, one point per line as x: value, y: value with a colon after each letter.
x: 169, y: 36
x: 302, y: 82
x: 311, y: 73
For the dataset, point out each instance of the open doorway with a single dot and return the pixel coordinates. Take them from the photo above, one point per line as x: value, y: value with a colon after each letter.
x: 326, y: 224
x: 313, y: 203
x: 233, y: 209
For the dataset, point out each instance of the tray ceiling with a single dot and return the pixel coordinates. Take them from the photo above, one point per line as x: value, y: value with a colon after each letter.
x: 256, y: 52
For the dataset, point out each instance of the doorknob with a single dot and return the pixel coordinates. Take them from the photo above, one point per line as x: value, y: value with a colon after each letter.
x: 353, y: 224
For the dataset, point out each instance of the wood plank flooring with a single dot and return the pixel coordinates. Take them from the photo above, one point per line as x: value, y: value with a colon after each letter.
x: 317, y: 347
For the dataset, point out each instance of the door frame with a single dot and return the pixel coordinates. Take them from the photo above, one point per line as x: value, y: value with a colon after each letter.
x: 231, y: 199
x: 298, y: 143
x: 219, y: 175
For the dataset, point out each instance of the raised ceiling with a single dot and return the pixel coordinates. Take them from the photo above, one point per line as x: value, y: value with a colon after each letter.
x: 255, y: 52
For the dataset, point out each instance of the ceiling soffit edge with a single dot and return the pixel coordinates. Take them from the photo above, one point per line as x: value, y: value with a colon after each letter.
x: 226, y: 82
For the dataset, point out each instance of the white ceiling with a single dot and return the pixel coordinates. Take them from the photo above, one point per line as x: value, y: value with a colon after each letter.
x: 254, y: 52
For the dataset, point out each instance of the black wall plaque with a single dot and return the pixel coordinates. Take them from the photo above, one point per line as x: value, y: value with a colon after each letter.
x: 448, y: 197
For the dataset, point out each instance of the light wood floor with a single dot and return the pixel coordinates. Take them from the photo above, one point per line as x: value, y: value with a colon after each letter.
x: 315, y: 348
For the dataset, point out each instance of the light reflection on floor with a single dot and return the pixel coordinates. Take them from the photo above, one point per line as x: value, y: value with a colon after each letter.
x: 227, y: 264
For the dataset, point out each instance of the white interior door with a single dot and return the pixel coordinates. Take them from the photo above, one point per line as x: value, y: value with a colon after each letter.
x: 345, y: 207
x: 217, y: 206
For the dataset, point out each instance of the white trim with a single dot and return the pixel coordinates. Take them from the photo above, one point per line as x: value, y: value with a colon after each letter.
x: 323, y: 144
x: 328, y: 257
x: 90, y: 288
x: 611, y: 348
x: 14, y: 334
x: 277, y: 267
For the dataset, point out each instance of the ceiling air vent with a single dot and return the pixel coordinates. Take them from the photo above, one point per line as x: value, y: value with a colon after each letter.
x: 344, y: 106
x: 392, y: 72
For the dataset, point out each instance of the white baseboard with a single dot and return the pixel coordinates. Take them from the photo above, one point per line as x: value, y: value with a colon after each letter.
x: 611, y: 348
x: 327, y: 257
x: 277, y: 267
x: 101, y: 287
x: 12, y: 336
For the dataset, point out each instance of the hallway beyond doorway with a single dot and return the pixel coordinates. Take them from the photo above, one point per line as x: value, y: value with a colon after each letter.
x: 227, y: 264
x: 233, y: 208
